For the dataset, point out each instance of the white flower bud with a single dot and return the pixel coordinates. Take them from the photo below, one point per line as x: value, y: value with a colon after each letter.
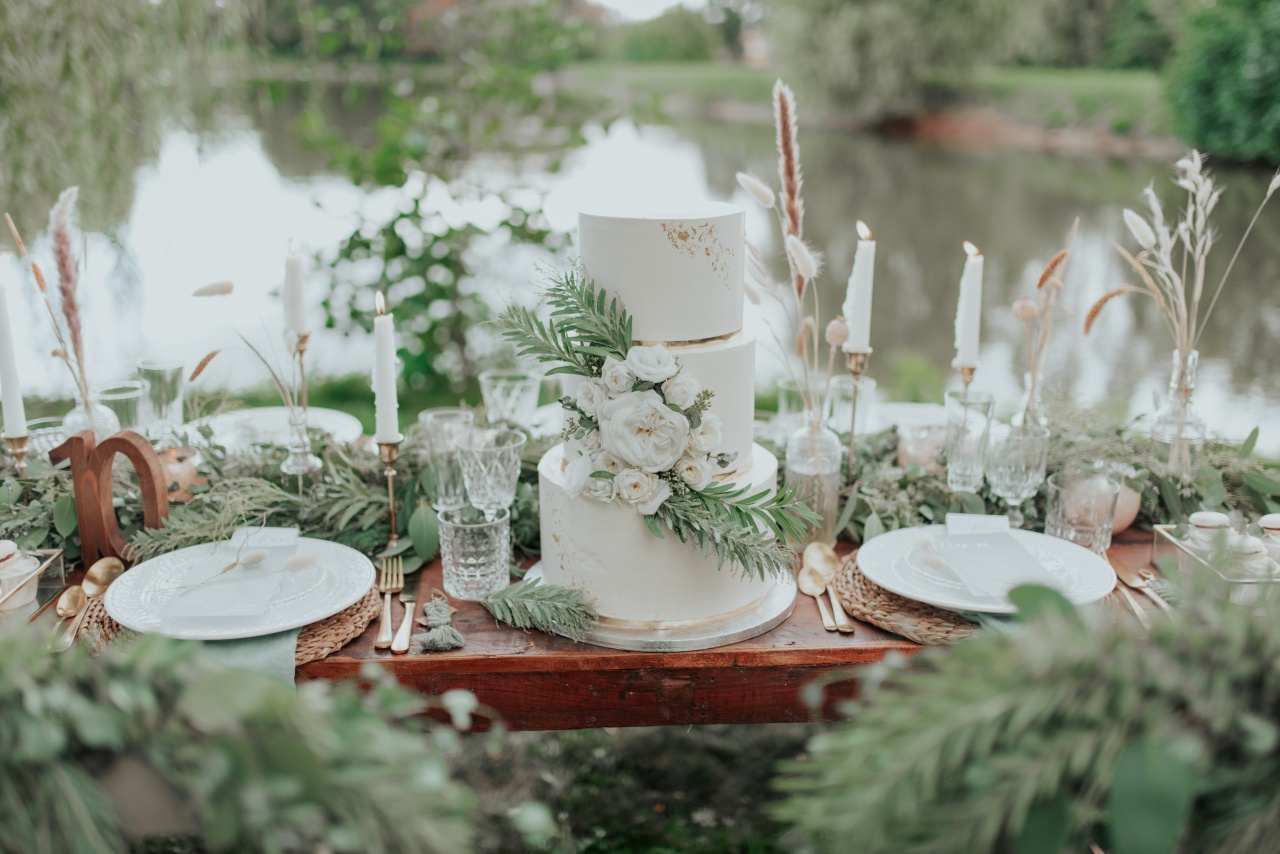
x: 758, y: 189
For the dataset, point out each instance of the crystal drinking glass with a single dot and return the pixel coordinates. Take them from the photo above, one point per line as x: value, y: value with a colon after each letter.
x: 163, y: 405
x: 490, y: 467
x: 125, y: 399
x: 44, y: 434
x: 968, y: 420
x: 446, y: 486
x: 1082, y: 508
x: 1016, y: 461
x: 510, y: 397
x: 840, y: 402
x: 475, y: 548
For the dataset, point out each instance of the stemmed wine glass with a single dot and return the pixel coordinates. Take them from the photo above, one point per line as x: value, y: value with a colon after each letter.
x: 1016, y: 462
x: 490, y: 467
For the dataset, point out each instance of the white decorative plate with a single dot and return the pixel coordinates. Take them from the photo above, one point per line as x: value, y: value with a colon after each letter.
x: 269, y: 425
x: 337, y: 580
x: 1081, y: 576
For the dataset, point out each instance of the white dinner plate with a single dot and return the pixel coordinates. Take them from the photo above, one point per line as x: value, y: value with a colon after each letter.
x: 1080, y: 575
x: 269, y: 425
x: 339, y: 577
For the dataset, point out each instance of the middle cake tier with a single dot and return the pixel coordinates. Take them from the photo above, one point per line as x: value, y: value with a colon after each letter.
x: 728, y: 369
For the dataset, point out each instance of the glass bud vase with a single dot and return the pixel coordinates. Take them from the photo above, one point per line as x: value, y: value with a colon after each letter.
x: 300, y: 460
x: 1031, y: 410
x: 97, y: 417
x: 1178, y: 432
x: 813, y: 469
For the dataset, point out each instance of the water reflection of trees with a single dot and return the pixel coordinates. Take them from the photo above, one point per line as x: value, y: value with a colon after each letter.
x: 923, y: 202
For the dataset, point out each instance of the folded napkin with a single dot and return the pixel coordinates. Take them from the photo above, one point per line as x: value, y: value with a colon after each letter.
x: 991, y: 564
x: 211, y: 591
x: 270, y: 655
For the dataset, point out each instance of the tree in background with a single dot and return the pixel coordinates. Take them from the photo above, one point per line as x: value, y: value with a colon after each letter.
x: 884, y: 58
x: 1225, y: 82
x: 1107, y: 33
x: 678, y: 34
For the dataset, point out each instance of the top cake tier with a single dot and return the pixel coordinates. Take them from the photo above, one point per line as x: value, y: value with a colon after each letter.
x: 679, y: 275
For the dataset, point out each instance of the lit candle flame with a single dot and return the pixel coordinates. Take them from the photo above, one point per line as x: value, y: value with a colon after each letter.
x: 379, y: 303
x: 863, y: 231
x: 971, y: 249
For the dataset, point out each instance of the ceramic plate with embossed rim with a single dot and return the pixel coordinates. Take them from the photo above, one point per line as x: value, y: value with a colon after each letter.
x: 892, y: 561
x: 269, y: 425
x: 338, y: 579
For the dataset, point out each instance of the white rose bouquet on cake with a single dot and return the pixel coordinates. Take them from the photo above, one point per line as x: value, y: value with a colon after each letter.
x: 640, y: 432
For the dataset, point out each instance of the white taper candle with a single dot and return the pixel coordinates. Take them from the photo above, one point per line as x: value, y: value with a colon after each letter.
x: 15, y: 414
x: 969, y: 309
x: 295, y: 296
x: 386, y: 404
x: 857, y: 299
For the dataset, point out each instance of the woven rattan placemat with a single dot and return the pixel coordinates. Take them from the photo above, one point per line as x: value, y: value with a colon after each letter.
x: 925, y: 624
x: 315, y: 641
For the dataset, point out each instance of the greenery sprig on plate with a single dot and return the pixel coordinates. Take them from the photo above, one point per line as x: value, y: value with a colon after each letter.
x: 588, y: 334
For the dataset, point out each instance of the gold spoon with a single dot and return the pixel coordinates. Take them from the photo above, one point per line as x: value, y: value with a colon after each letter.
x: 824, y: 559
x: 811, y: 584
x: 70, y: 604
x: 96, y: 581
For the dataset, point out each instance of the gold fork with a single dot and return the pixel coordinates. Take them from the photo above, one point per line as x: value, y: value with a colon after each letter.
x: 390, y: 581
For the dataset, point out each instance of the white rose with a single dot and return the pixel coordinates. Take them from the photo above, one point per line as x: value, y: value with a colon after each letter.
x: 642, y: 431
x: 576, y: 475
x: 605, y: 461
x: 592, y: 393
x: 707, y: 436
x: 681, y: 390
x: 616, y: 376
x: 641, y: 490
x: 695, y: 471
x: 599, y: 488
x: 652, y: 364
x: 589, y: 444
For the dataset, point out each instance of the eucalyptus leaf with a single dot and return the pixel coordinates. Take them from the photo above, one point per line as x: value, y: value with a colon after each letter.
x: 1246, y: 448
x: 424, y: 531
x: 1150, y: 797
x: 872, y: 528
x: 1046, y: 827
x: 64, y: 516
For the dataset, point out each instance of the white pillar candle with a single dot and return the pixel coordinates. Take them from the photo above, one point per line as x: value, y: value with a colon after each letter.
x: 295, y: 296
x: 386, y: 405
x: 969, y: 310
x: 857, y: 299
x: 15, y: 414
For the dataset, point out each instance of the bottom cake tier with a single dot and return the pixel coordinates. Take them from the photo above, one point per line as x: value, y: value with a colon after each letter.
x: 644, y: 585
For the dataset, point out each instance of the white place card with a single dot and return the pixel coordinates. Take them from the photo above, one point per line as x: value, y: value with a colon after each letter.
x: 992, y: 563
x: 976, y: 523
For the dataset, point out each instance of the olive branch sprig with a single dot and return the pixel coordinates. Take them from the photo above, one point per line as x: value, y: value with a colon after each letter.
x: 586, y: 326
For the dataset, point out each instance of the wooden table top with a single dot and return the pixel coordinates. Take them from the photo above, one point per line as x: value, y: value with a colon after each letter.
x: 537, y: 681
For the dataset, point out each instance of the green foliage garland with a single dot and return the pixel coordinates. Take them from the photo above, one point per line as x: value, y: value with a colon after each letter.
x: 1063, y: 735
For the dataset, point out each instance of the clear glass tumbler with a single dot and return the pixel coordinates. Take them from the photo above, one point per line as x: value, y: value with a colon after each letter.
x: 475, y: 549
x: 1016, y: 462
x: 1082, y: 509
x: 44, y: 434
x: 125, y: 399
x: 510, y: 397
x: 163, y: 406
x: 491, y: 467
x: 840, y: 403
x: 968, y: 420
x: 444, y: 480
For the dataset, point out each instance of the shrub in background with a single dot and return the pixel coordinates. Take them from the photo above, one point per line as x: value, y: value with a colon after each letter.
x: 884, y: 58
x: 1225, y: 81
x: 679, y: 34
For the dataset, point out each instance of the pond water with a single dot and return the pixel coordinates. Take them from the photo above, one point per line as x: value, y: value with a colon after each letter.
x: 226, y: 204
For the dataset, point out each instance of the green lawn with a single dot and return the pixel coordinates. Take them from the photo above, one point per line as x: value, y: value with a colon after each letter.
x: 1115, y: 101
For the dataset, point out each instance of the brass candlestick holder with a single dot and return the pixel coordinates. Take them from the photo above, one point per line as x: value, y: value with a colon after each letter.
x: 857, y: 366
x: 966, y: 376
x: 18, y: 450
x: 389, y: 452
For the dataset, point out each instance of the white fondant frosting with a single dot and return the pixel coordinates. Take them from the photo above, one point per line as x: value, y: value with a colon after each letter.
x: 728, y: 369
x: 680, y: 276
x: 606, y: 551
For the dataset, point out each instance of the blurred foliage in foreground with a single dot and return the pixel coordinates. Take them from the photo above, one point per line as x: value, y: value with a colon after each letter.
x: 1061, y: 735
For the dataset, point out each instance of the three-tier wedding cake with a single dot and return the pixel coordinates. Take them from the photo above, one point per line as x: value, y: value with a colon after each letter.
x: 681, y: 279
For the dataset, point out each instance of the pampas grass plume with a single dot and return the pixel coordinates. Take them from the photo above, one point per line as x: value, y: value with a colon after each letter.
x: 216, y: 289
x: 802, y: 257
x: 204, y: 363
x: 1097, y: 306
x: 13, y: 229
x: 1140, y: 230
x: 757, y: 188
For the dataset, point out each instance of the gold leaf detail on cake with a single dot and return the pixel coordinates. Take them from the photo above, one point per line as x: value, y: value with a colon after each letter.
x: 687, y: 239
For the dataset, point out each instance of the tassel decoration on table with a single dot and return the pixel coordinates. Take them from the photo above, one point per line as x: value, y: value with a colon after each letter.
x: 440, y: 634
